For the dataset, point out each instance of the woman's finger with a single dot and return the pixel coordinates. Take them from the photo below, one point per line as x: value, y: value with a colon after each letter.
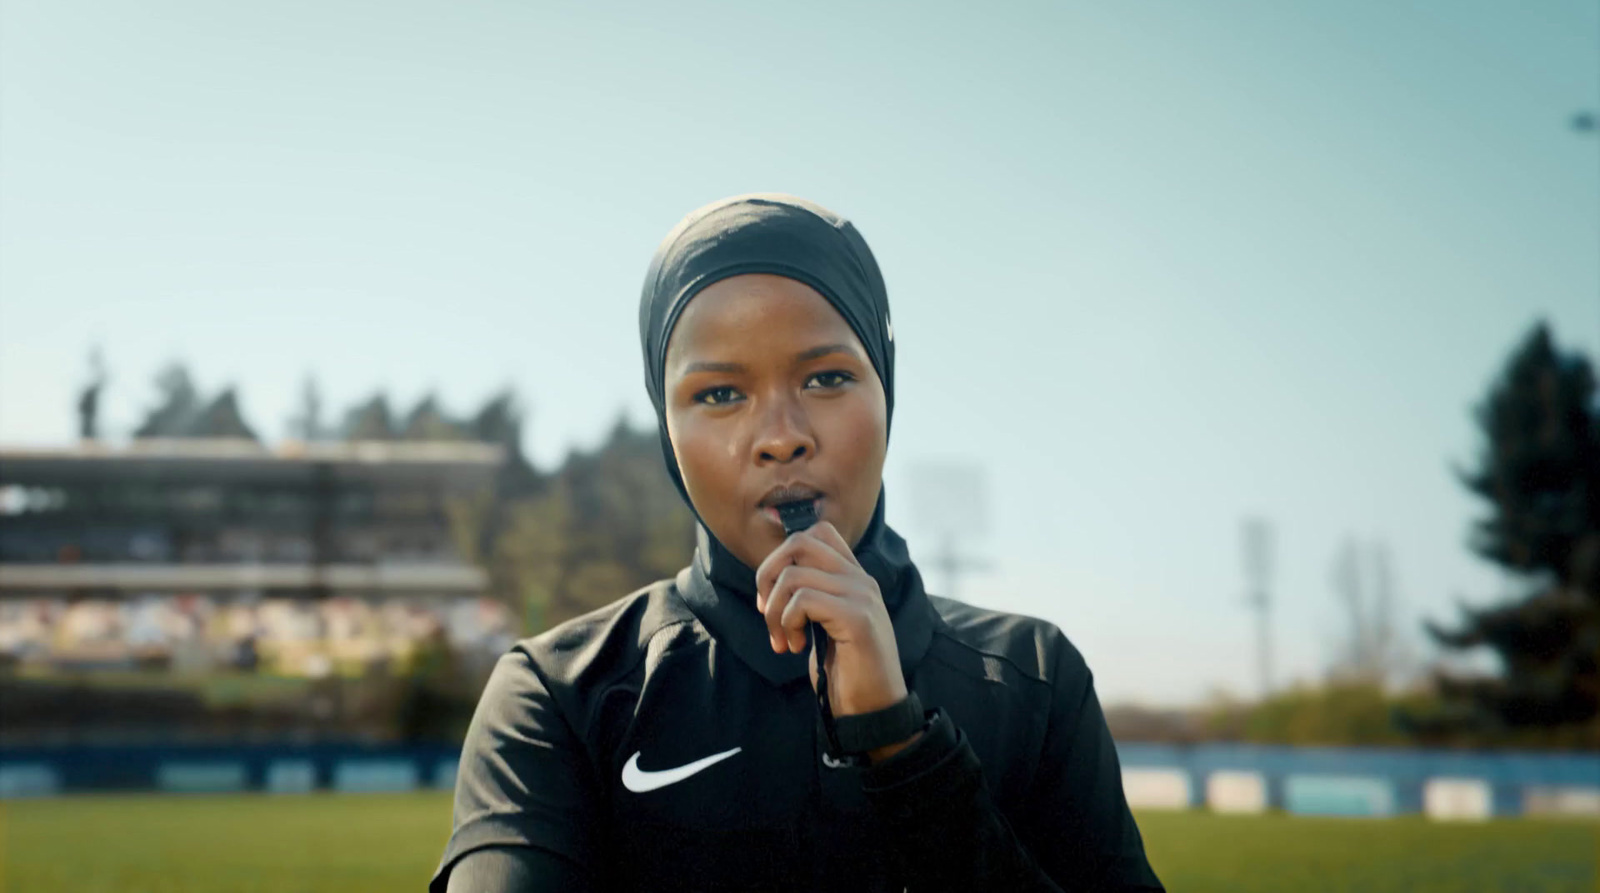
x: 790, y: 580
x: 828, y: 535
x: 809, y: 606
x: 801, y: 548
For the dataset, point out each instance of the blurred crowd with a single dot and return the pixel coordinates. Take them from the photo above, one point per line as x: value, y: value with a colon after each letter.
x: 292, y: 637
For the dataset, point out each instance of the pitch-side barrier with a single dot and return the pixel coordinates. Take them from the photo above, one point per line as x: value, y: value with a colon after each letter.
x: 1444, y: 785
x: 1361, y: 782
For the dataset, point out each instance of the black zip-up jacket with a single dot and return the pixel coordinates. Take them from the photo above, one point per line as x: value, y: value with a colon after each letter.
x: 660, y: 744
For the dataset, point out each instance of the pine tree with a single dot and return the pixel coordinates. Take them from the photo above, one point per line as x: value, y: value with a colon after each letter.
x: 606, y: 522
x: 179, y: 403
x: 221, y: 418
x: 370, y: 421
x: 428, y: 422
x: 184, y: 412
x: 1540, y: 474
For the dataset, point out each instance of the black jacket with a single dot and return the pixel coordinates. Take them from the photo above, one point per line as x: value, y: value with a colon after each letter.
x: 660, y: 744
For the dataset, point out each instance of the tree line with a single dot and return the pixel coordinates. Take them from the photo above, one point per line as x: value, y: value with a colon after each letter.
x: 562, y: 542
x: 555, y: 543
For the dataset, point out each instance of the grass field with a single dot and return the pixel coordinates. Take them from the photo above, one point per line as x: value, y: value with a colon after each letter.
x: 349, y: 843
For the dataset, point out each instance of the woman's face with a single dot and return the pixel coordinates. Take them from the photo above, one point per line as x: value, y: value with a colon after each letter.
x: 770, y: 398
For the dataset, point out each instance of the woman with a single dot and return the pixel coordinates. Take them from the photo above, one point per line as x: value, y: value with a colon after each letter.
x: 685, y: 737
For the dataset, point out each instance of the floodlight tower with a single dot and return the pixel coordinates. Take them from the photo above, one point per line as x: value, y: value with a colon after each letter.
x: 1586, y: 123
x: 951, y: 503
x: 1258, y: 554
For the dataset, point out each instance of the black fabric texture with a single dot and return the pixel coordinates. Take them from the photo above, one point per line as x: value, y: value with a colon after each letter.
x: 1015, y: 785
x: 866, y: 732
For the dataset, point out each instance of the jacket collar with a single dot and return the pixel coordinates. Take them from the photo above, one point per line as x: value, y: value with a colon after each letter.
x: 720, y: 590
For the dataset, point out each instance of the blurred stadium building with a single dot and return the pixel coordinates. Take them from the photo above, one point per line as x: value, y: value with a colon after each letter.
x: 350, y: 587
x: 314, y: 558
x: 215, y: 589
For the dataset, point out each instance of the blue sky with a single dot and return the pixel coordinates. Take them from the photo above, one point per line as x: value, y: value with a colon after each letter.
x: 1154, y: 266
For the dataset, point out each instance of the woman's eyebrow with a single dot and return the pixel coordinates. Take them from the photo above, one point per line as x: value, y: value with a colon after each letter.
x: 801, y: 357
x: 711, y: 366
x: 824, y: 350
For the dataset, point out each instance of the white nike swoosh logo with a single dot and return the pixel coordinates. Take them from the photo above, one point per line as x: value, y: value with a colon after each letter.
x: 638, y: 781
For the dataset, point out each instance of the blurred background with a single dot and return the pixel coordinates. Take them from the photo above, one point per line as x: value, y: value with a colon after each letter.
x: 1254, y: 346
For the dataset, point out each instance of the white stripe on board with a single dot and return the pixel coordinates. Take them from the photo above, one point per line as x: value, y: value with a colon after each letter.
x: 1457, y: 799
x: 1573, y: 800
x: 1156, y: 788
x: 1236, y: 791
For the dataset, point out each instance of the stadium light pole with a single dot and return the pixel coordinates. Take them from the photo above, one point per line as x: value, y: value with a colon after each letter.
x: 1258, y: 541
x: 1586, y: 124
x: 950, y: 502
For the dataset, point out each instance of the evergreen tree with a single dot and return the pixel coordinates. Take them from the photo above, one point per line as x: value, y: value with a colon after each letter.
x: 1540, y: 474
x: 604, y: 524
x: 220, y: 418
x: 179, y: 404
x: 500, y: 422
x: 370, y: 421
x: 184, y: 412
x: 1541, y: 467
x: 428, y: 422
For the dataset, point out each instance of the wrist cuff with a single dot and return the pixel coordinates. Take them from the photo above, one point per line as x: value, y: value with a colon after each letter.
x: 864, y: 732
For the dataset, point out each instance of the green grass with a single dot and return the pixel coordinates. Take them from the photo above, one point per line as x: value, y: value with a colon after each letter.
x: 1201, y: 852
x: 222, y: 844
x: 349, y: 843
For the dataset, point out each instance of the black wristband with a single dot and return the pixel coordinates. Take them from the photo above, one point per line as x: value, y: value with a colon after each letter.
x: 864, y: 732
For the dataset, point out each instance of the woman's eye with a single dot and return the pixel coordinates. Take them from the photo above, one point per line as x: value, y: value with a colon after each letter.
x: 717, y: 395
x: 831, y: 379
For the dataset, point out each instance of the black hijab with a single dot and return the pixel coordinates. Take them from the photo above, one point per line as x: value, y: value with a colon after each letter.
x: 800, y: 240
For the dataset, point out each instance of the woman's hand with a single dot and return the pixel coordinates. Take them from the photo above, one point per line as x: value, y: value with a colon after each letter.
x: 814, y: 578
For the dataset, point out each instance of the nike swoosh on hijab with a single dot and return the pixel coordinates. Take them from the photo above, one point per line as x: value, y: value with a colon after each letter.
x: 639, y: 781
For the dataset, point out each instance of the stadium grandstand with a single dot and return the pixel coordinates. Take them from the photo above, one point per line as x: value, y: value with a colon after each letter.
x: 195, y: 554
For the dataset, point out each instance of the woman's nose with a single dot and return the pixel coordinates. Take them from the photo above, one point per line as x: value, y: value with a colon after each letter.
x: 785, y: 434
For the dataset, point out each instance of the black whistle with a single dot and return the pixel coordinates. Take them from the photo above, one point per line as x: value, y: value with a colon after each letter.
x: 797, y: 516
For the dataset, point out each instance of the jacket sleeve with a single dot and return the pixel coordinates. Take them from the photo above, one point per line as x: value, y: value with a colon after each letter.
x: 525, y: 795
x: 520, y: 869
x: 1075, y: 834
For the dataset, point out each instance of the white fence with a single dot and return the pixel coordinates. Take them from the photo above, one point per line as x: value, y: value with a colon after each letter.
x: 1443, y: 785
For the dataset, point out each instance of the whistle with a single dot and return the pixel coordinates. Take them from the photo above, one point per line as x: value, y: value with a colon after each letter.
x: 798, y: 515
